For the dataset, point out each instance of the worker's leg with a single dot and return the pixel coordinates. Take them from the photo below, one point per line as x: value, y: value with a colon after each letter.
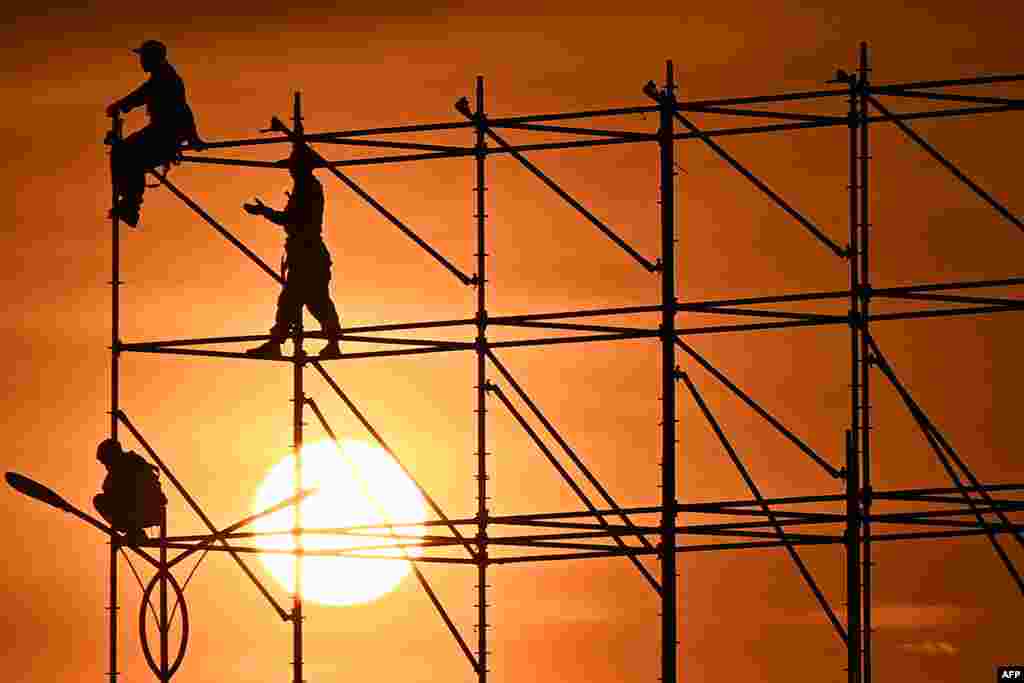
x: 104, y: 506
x: 143, y: 149
x: 320, y: 305
x: 318, y: 300
x: 127, y: 169
x: 289, y: 308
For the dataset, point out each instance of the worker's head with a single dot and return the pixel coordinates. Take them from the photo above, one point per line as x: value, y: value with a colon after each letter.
x: 152, y: 53
x: 301, y: 161
x: 108, y: 451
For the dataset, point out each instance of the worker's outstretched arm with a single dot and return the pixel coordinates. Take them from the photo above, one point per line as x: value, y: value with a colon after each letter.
x: 258, y: 208
x: 136, y: 98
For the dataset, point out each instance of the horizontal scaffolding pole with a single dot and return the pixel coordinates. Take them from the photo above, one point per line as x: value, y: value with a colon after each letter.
x: 956, y: 299
x: 939, y: 286
x: 623, y: 134
x: 819, y: 122
x: 765, y: 114
x: 950, y: 97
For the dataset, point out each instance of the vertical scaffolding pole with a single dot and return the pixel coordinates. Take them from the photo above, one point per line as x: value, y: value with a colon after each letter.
x: 116, y: 133
x: 164, y: 625
x: 481, y: 382
x: 669, y: 626
x: 852, y: 534
x: 865, y: 367
x: 298, y: 401
x: 112, y: 608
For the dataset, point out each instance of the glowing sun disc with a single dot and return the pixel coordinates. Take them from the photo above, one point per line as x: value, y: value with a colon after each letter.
x: 358, y: 484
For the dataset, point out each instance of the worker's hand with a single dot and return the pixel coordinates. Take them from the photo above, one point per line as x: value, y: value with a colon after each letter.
x: 113, y: 109
x: 256, y: 208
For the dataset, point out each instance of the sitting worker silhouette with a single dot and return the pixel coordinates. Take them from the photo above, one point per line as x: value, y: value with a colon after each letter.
x: 171, y: 123
x: 131, y: 498
x: 307, y: 262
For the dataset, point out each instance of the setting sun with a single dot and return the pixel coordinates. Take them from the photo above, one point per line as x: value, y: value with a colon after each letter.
x: 358, y: 485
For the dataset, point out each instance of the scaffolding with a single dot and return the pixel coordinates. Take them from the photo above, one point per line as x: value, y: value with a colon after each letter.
x: 602, y: 528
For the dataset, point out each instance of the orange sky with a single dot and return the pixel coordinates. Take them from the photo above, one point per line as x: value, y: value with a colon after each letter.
x: 945, y: 610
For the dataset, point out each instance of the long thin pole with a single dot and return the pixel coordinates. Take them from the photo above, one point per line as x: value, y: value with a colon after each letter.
x: 164, y: 625
x: 112, y: 608
x: 481, y: 382
x: 852, y: 537
x: 669, y: 625
x: 865, y: 366
x: 117, y: 131
x: 298, y: 401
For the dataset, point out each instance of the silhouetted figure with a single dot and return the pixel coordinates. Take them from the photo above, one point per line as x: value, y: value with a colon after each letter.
x: 170, y: 124
x: 131, y: 498
x: 307, y: 262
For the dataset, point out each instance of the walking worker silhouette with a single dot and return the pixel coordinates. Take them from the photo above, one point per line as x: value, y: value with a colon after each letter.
x: 307, y: 264
x: 171, y: 123
x: 131, y: 498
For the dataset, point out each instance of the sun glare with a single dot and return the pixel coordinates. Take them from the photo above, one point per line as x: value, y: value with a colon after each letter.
x: 358, y: 485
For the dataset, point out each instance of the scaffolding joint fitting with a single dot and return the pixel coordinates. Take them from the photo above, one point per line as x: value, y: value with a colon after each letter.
x: 864, y: 290
x: 867, y: 494
x: 276, y: 126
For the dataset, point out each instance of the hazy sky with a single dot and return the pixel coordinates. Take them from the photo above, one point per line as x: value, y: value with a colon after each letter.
x: 944, y: 610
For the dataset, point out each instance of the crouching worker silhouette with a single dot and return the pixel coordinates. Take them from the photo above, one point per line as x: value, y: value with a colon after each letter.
x: 171, y: 123
x: 131, y: 498
x: 307, y: 262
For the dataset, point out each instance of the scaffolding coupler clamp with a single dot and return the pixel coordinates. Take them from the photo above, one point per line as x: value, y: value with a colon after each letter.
x: 276, y: 126
x: 462, y: 106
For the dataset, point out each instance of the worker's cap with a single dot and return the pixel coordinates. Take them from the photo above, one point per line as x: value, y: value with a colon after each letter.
x: 302, y: 157
x: 108, y: 450
x: 151, y: 48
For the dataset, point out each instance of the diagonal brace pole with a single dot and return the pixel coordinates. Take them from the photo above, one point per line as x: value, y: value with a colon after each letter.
x: 570, y: 481
x: 797, y: 560
x: 202, y: 515
x: 933, y: 437
x: 383, y: 444
x: 910, y: 133
x: 442, y: 612
x: 565, y: 447
x: 651, y: 267
x: 797, y: 441
x: 922, y: 418
x: 760, y: 184
x: 276, y: 124
x: 217, y: 226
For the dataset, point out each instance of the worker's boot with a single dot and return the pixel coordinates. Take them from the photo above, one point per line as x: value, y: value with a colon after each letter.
x: 126, y: 210
x: 268, y: 349
x: 134, y: 537
x: 331, y: 349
